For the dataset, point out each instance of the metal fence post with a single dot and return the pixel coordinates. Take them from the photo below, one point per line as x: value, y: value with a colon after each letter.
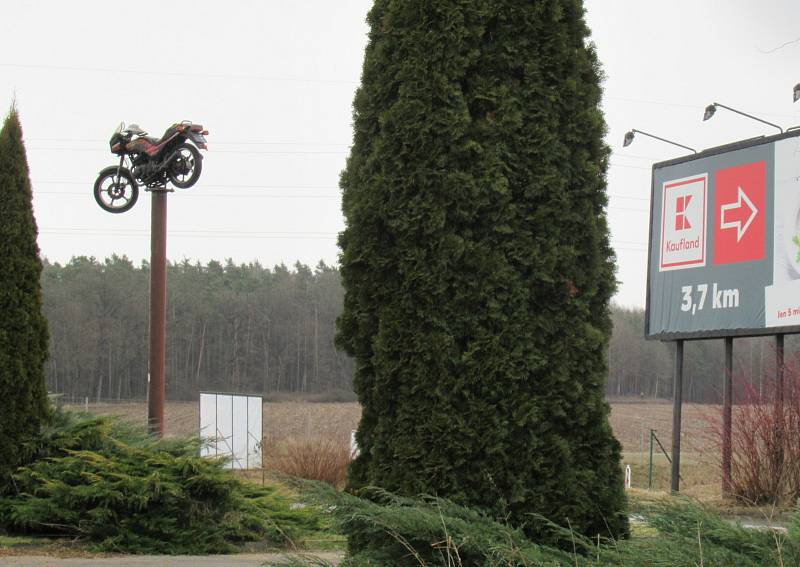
x: 650, y: 472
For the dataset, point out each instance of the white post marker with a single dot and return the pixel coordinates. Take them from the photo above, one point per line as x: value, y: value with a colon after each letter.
x: 627, y: 476
x: 353, y: 445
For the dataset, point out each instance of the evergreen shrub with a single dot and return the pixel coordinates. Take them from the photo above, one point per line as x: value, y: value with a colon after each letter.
x: 476, y: 262
x: 23, y: 328
x: 386, y: 530
x: 111, y: 484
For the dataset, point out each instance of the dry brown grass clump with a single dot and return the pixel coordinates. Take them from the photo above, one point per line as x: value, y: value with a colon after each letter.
x: 322, y: 459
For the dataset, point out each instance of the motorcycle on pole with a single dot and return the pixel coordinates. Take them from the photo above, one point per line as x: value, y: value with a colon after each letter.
x: 151, y: 162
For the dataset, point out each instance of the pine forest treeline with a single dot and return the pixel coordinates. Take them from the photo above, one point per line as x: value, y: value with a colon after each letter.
x: 248, y: 328
x: 242, y: 328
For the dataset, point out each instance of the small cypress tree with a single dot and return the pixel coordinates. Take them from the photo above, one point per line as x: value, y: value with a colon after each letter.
x: 23, y: 328
x: 476, y: 262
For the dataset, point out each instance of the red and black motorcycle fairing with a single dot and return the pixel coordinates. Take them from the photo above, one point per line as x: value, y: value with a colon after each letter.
x: 153, y: 162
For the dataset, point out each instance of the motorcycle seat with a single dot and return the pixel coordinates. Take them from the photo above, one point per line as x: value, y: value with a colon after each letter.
x: 156, y: 141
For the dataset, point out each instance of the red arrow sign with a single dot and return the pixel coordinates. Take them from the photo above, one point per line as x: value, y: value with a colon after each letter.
x: 740, y: 228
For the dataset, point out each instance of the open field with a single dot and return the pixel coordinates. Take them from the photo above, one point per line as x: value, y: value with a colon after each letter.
x: 631, y: 421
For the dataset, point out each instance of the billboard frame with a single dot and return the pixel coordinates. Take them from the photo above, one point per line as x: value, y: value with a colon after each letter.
x: 679, y: 338
x: 712, y: 334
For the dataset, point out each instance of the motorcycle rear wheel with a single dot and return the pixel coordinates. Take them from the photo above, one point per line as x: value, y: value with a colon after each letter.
x: 115, y: 190
x: 184, y: 169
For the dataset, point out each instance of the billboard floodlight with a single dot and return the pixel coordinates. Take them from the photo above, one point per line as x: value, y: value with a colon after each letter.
x: 796, y: 95
x: 630, y: 135
x: 628, y: 139
x: 712, y: 108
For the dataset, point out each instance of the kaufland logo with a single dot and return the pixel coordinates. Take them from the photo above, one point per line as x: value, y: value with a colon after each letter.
x: 681, y: 204
x: 683, y: 223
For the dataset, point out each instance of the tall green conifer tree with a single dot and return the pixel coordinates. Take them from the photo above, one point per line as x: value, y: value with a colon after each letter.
x: 476, y: 262
x: 23, y: 328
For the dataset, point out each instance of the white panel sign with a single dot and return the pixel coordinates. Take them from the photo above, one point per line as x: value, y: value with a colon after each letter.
x: 232, y: 425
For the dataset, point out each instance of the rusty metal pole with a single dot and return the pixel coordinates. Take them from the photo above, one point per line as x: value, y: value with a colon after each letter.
x: 779, y: 370
x: 158, y: 312
x: 727, y: 417
x: 780, y: 417
x: 677, y: 402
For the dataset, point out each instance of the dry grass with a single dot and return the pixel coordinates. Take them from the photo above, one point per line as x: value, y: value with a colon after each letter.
x: 700, y: 475
x: 632, y: 422
x: 318, y: 458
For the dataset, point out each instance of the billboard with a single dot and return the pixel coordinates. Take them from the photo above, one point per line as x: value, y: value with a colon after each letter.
x: 724, y: 249
x: 232, y: 425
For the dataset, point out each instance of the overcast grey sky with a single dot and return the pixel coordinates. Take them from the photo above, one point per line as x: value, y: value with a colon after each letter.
x: 273, y: 82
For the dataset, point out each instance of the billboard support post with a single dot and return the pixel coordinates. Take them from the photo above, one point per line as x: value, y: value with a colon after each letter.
x: 779, y: 393
x: 727, y: 417
x: 677, y: 401
x: 779, y: 370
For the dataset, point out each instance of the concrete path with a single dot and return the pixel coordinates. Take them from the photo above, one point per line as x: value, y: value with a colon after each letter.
x: 239, y: 560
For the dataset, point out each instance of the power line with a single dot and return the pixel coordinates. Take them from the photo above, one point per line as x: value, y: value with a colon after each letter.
x: 629, y: 209
x: 346, y: 82
x: 293, y: 196
x: 231, y: 185
x: 237, y: 195
x: 281, y: 152
x: 635, y: 156
x: 695, y: 107
x: 255, y: 236
x: 193, y: 231
x: 172, y: 235
x: 141, y: 233
x: 176, y: 74
x: 612, y: 164
x: 274, y: 196
x: 617, y: 196
x: 216, y: 142
x: 656, y: 102
x: 225, y: 232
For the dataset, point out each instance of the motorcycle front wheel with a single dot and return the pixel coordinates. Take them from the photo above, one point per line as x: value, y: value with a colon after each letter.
x: 115, y: 190
x: 184, y: 169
